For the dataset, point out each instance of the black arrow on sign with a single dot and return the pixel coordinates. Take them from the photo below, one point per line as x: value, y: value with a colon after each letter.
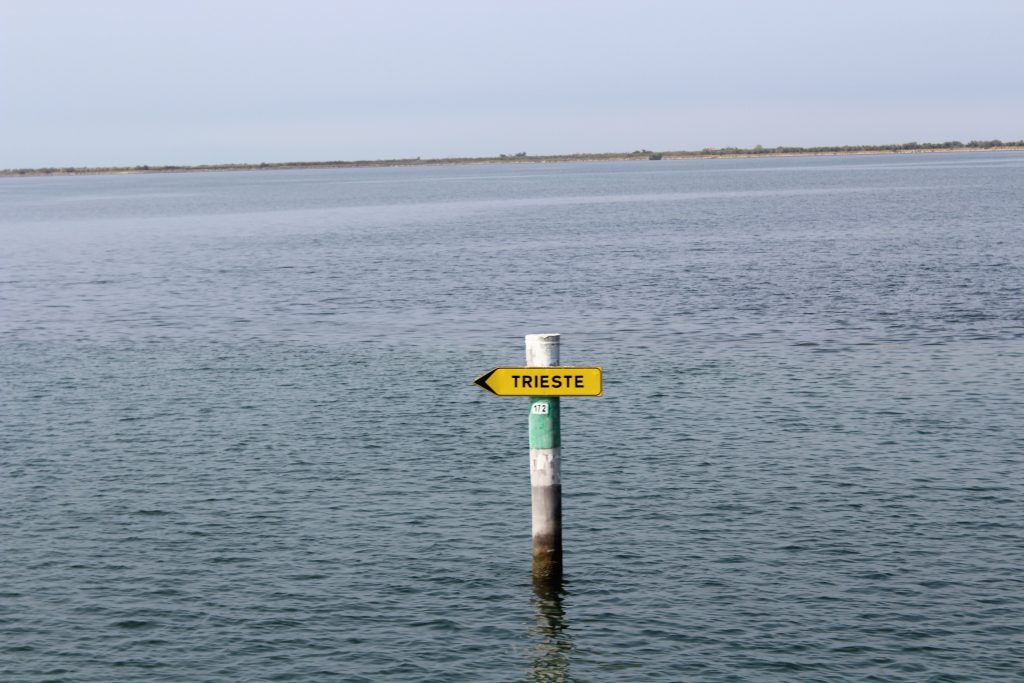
x: 482, y: 381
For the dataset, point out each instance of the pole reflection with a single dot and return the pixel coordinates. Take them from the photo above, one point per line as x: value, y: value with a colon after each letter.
x: 550, y: 631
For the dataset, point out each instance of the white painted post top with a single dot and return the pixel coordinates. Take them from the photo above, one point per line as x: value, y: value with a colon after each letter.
x: 542, y: 350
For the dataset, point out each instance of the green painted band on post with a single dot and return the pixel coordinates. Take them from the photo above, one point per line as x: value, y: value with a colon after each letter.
x: 545, y: 422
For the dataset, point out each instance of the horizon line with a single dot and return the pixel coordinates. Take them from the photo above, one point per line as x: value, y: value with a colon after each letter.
x: 523, y: 157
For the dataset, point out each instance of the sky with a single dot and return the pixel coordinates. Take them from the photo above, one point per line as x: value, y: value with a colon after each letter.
x: 131, y: 82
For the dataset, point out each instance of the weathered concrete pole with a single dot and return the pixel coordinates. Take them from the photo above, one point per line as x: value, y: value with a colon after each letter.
x: 545, y: 465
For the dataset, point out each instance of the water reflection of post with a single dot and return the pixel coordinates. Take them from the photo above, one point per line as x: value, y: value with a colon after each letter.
x: 550, y: 661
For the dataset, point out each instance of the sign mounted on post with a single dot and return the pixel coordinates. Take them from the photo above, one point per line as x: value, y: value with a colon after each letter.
x: 551, y: 381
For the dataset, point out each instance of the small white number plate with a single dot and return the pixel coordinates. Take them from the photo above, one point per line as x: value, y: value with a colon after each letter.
x: 540, y: 409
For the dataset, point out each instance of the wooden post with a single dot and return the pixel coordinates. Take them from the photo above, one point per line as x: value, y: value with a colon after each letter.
x: 545, y: 465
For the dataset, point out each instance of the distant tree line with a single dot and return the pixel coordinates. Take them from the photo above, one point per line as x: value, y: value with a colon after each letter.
x: 522, y: 156
x: 904, y: 147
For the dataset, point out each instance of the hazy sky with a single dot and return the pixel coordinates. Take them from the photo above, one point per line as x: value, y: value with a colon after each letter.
x: 126, y: 82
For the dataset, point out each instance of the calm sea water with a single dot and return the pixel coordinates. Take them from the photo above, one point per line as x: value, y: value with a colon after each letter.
x: 240, y: 440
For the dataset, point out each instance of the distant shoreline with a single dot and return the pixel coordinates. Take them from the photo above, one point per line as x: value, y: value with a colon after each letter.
x: 522, y: 157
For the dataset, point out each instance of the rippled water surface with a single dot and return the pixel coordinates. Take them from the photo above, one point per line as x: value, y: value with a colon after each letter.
x: 240, y: 440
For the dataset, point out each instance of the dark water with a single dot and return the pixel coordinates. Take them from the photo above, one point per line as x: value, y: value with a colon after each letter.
x: 240, y: 440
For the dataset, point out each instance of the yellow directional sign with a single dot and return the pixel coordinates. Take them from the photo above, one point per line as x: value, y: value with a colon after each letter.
x: 542, y: 381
